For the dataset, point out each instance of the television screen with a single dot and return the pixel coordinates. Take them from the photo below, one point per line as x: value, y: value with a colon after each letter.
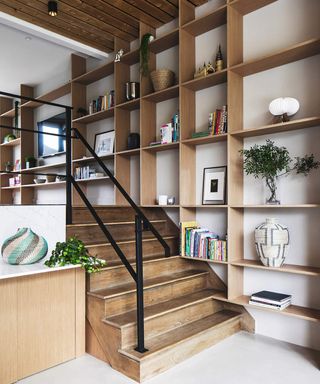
x: 49, y: 145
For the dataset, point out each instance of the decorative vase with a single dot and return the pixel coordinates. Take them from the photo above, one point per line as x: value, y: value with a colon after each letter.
x: 272, y: 191
x: 25, y: 247
x: 272, y: 243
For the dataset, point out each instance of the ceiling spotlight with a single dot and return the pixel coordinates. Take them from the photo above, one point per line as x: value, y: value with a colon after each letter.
x: 52, y: 8
x: 28, y: 38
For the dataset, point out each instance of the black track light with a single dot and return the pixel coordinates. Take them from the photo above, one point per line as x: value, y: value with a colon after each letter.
x: 52, y: 8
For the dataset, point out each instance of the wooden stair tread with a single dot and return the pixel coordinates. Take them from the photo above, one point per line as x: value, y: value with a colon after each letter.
x: 129, y: 318
x: 179, y: 335
x: 111, y: 223
x: 131, y: 241
x: 132, y: 261
x: 149, y: 283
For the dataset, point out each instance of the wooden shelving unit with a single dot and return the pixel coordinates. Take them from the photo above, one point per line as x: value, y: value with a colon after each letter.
x: 184, y: 92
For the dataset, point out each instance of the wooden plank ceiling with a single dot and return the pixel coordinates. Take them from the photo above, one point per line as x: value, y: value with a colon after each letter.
x: 96, y: 22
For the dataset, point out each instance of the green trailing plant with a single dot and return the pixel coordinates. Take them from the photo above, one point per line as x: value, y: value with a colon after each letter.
x: 145, y: 53
x: 74, y: 252
x: 270, y: 162
x: 30, y: 159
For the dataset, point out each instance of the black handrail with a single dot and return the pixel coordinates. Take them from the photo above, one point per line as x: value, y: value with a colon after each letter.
x: 141, y: 221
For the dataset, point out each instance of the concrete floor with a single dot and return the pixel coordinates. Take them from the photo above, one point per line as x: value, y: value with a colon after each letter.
x: 240, y: 359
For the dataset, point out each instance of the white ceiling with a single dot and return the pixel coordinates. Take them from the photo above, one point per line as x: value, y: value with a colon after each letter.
x: 30, y: 62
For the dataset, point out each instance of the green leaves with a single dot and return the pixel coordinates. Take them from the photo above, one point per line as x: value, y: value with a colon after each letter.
x: 74, y: 252
x: 269, y: 161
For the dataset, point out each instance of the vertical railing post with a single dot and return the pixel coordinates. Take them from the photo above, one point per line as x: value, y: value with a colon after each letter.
x: 139, y: 283
x: 68, y: 167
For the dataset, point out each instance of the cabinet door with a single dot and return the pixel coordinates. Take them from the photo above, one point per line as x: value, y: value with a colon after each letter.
x: 8, y: 331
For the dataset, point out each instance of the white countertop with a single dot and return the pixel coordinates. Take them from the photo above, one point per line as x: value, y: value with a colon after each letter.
x: 8, y: 271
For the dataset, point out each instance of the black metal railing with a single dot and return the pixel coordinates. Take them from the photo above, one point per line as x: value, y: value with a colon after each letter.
x: 141, y: 221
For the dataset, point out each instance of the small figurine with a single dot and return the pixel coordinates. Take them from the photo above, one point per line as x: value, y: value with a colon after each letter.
x: 119, y: 54
x: 219, y: 60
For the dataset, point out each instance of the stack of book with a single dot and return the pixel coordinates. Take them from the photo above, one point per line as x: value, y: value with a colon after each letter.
x: 271, y: 300
x: 84, y: 173
x: 102, y: 103
x: 201, y: 243
x: 217, y: 125
x: 169, y: 132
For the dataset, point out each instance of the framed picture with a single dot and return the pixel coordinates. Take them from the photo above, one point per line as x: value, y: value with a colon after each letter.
x: 214, y: 185
x: 103, y: 143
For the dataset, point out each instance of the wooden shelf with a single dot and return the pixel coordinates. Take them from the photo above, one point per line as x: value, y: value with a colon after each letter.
x: 206, y: 139
x: 246, y: 6
x: 307, y: 122
x: 97, y: 116
x: 281, y: 206
x: 160, y: 206
x: 42, y: 167
x: 294, y: 53
x: 130, y: 105
x: 293, y: 310
x: 165, y: 42
x: 53, y: 95
x: 44, y: 185
x: 161, y: 147
x: 286, y: 268
x: 12, y: 143
x: 92, y: 179
x: 131, y: 57
x: 96, y: 74
x: 91, y: 159
x: 208, y: 22
x: 165, y: 94
x: 199, y: 206
x: 206, y: 81
x: 13, y: 187
x: 205, y: 260
x: 129, y: 152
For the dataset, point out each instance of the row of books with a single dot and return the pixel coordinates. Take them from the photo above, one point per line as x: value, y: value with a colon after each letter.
x: 169, y: 132
x: 217, y: 124
x: 84, y: 172
x: 102, y: 103
x: 201, y: 242
x: 273, y: 300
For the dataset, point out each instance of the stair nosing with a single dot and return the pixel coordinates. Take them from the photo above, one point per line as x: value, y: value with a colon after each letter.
x: 177, y: 343
x: 159, y: 314
x: 196, y: 274
x: 130, y: 241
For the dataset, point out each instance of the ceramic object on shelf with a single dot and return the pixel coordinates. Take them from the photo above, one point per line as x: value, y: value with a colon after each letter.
x: 39, y: 181
x: 163, y: 200
x: 272, y: 242
x: 25, y: 247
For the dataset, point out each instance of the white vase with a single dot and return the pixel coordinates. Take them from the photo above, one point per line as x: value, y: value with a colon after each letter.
x: 272, y: 242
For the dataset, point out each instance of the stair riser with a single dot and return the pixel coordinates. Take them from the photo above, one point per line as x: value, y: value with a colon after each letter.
x: 114, y: 214
x: 127, y: 302
x: 114, y: 276
x: 169, y: 321
x: 120, y: 232
x: 182, y: 351
x: 150, y: 248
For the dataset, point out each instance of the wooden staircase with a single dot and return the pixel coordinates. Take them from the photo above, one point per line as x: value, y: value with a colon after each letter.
x: 182, y: 313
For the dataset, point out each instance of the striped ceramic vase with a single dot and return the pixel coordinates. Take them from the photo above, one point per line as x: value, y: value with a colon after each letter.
x: 25, y: 247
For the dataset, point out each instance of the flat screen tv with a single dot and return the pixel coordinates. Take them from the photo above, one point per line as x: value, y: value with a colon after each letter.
x: 49, y: 145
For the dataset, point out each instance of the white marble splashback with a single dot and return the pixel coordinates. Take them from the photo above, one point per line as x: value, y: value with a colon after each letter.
x: 46, y: 221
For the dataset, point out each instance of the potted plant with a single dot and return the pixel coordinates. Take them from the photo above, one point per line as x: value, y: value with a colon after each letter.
x: 145, y: 53
x: 31, y: 162
x: 269, y: 162
x: 74, y: 252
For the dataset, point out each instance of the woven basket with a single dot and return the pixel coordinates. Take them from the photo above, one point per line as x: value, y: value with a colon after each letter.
x: 162, y: 79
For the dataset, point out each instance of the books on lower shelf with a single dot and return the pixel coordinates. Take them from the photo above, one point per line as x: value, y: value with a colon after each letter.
x: 273, y: 300
x: 217, y: 124
x: 201, y: 242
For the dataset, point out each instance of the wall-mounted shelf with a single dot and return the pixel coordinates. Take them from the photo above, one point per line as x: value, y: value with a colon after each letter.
x: 280, y: 206
x: 96, y: 74
x: 206, y: 139
x: 248, y: 6
x: 12, y: 143
x: 161, y: 147
x: 205, y: 260
x: 44, y: 167
x: 97, y: 116
x: 165, y: 94
x: 91, y: 159
x: 130, y: 105
x: 165, y: 42
x: 44, y: 185
x: 206, y: 81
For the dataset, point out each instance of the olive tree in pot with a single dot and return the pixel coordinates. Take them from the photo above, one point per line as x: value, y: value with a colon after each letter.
x: 270, y: 162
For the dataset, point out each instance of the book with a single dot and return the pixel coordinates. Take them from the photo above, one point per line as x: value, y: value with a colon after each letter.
x: 183, y: 226
x: 271, y: 306
x: 270, y: 297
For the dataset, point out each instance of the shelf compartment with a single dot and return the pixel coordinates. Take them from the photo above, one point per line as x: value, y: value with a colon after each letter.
x: 206, y: 139
x: 167, y: 41
x: 286, y: 268
x: 129, y: 152
x: 97, y: 116
x: 165, y: 94
x: 91, y: 159
x: 130, y: 105
x: 206, y: 81
x: 42, y: 167
x: 205, y: 260
x: 305, y: 313
x: 161, y: 147
x: 131, y: 57
x: 208, y: 22
x: 96, y: 74
x: 12, y: 143
x: 294, y: 53
x: 307, y: 122
x: 246, y: 6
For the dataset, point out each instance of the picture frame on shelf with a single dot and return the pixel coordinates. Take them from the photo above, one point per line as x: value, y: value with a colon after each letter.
x: 214, y: 185
x: 104, y: 143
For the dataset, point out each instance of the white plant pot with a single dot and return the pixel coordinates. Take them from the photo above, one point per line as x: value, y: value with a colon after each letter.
x: 272, y: 243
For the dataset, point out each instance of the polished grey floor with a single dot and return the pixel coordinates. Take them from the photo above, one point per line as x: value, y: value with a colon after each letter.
x: 240, y: 359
